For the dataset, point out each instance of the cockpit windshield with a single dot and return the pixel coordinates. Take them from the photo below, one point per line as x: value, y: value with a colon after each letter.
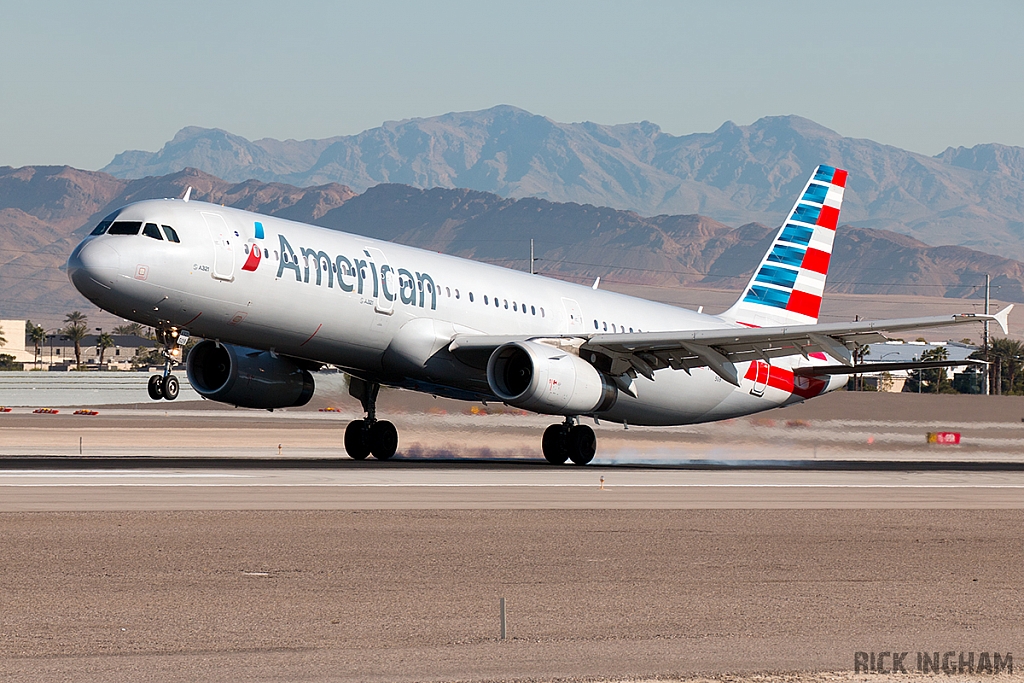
x: 125, y: 228
x: 110, y: 226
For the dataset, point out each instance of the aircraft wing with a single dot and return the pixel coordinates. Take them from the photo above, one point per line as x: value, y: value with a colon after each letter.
x: 721, y: 348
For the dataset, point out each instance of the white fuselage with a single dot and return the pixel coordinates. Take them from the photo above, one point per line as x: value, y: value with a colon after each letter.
x: 385, y: 311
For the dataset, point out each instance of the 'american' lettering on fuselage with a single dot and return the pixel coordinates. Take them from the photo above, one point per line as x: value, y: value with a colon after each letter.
x: 408, y: 283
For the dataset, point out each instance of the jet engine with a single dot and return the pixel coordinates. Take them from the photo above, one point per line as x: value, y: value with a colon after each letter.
x: 544, y: 379
x: 247, y: 378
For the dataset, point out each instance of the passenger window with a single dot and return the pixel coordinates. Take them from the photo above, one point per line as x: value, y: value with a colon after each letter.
x: 605, y: 325
x: 631, y: 330
x: 172, y: 236
x: 245, y: 248
x: 266, y: 254
x: 514, y: 307
x: 275, y: 254
x: 457, y: 294
x: 506, y: 304
x: 486, y: 302
x: 595, y: 325
x: 471, y: 297
x: 533, y: 310
x: 125, y: 228
x: 542, y: 312
x: 524, y: 309
x: 448, y: 291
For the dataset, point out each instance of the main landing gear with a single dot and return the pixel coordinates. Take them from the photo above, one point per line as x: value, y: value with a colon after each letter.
x: 166, y: 385
x: 569, y: 441
x: 369, y: 435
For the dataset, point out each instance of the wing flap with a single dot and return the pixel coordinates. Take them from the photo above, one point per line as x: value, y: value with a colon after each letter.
x: 718, y: 349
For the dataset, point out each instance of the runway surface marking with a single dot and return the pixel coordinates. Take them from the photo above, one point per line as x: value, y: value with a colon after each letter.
x: 518, y: 479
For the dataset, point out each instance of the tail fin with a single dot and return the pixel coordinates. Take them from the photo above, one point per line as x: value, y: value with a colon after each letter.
x: 787, y: 286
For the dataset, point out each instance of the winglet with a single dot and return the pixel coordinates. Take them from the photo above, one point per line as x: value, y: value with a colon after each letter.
x: 188, y: 193
x: 1002, y: 318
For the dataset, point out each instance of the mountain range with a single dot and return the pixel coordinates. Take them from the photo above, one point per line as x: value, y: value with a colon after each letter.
x: 45, y: 211
x: 737, y: 174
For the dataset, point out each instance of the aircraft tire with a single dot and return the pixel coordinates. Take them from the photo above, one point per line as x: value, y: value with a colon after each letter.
x: 170, y: 387
x: 582, y: 444
x: 357, y: 443
x: 554, y: 444
x: 383, y: 439
x: 156, y: 387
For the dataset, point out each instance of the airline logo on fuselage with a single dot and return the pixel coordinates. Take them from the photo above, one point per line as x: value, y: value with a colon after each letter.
x: 255, y: 250
x: 361, y: 275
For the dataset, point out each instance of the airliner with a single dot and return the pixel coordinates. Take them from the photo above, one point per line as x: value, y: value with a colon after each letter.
x: 273, y: 301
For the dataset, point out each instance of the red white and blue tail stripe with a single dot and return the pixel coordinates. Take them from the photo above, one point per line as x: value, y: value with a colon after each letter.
x: 789, y: 282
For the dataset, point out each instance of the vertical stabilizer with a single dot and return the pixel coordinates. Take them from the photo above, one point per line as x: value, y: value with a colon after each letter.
x: 787, y: 286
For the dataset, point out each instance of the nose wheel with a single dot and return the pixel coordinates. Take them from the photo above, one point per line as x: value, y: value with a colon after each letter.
x: 569, y: 441
x: 166, y: 386
x: 369, y: 436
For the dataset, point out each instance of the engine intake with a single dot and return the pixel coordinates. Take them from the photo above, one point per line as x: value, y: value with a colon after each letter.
x: 247, y: 378
x: 544, y: 379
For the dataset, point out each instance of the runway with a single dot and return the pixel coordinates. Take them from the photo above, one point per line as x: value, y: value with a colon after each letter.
x: 422, y: 485
x: 182, y: 544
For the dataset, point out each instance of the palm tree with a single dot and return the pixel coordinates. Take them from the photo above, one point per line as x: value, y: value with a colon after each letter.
x: 37, y: 335
x: 1007, y: 354
x: 137, y: 329
x: 76, y: 330
x: 104, y: 342
x: 3, y: 340
x: 938, y: 353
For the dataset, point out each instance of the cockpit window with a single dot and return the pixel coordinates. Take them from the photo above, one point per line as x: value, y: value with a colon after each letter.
x: 172, y: 236
x: 125, y: 228
x: 105, y: 223
x: 101, y: 228
x: 152, y: 231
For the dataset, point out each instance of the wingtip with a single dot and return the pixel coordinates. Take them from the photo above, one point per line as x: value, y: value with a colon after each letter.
x: 1002, y: 317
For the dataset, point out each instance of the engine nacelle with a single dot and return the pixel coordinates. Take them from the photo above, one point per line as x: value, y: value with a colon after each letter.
x: 544, y: 379
x: 247, y: 378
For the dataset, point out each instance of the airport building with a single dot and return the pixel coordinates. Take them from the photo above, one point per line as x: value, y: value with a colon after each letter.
x: 57, y: 352
x: 903, y: 352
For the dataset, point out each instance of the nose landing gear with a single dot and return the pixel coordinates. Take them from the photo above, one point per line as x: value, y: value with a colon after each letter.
x: 369, y: 436
x: 569, y: 441
x: 166, y: 385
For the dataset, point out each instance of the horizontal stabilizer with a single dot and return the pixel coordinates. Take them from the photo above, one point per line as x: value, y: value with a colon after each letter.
x: 869, y: 368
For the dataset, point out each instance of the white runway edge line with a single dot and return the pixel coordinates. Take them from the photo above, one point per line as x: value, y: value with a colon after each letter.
x: 96, y: 474
x: 75, y: 480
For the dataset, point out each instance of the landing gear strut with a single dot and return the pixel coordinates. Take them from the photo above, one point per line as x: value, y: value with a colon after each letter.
x: 369, y: 436
x: 569, y: 441
x: 166, y: 385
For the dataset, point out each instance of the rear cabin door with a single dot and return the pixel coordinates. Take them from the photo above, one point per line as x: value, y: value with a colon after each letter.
x: 573, y: 316
x: 762, y: 370
x: 223, y: 254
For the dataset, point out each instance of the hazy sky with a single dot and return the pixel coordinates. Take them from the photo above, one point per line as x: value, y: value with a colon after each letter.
x: 82, y: 81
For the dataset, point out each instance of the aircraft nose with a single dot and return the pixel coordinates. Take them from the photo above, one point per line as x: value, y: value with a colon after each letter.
x: 92, y: 267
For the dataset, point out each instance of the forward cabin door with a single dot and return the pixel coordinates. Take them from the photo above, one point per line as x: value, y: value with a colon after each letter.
x: 223, y: 254
x: 387, y: 287
x: 384, y: 290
